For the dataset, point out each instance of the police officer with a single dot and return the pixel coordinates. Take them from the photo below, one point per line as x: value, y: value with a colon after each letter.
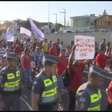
x: 45, y: 90
x: 10, y: 80
x: 90, y: 96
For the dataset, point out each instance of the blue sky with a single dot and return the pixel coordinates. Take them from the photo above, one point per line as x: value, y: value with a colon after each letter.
x: 39, y: 10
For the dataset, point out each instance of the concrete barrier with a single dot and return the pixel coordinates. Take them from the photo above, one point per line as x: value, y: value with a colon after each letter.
x: 67, y: 37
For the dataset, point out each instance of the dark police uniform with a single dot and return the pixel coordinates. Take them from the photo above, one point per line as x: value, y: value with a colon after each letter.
x: 10, y: 80
x: 91, y: 98
x: 47, y: 88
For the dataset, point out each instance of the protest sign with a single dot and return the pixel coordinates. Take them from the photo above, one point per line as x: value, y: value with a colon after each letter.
x: 25, y: 31
x: 85, y: 47
x: 9, y: 37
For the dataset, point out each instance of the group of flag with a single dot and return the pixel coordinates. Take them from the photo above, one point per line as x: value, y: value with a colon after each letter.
x: 38, y: 34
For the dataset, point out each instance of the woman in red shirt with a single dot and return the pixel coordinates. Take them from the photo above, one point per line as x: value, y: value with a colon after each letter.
x: 60, y: 68
x: 53, y: 50
x: 76, y: 68
x: 101, y: 59
x: 26, y: 67
x: 62, y: 64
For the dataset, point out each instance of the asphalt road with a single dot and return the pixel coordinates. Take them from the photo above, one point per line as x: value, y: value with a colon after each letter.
x: 25, y: 100
x: 25, y: 105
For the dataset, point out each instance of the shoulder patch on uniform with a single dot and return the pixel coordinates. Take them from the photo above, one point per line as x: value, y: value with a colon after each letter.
x: 4, y: 68
x: 38, y: 75
x: 80, y: 92
x: 82, y: 99
x: 35, y: 82
x: 82, y: 87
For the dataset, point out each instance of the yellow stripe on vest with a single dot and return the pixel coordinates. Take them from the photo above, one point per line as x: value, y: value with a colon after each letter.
x: 17, y: 73
x: 12, y: 84
x: 47, y: 82
x: 95, y: 97
x: 54, y: 78
x: 10, y: 76
x: 96, y: 108
x: 51, y: 92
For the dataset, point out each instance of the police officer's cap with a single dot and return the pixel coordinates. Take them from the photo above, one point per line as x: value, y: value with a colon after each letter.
x: 10, y: 56
x: 97, y: 71
x: 49, y: 59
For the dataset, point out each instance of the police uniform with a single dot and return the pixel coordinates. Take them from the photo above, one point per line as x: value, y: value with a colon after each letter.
x: 46, y: 87
x: 89, y: 98
x: 10, y: 80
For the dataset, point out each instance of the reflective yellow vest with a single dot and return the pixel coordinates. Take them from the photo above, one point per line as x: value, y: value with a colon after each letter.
x: 12, y: 82
x: 49, y: 94
x: 95, y: 101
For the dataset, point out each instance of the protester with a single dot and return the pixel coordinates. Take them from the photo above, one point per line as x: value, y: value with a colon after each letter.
x: 62, y: 64
x: 76, y: 77
x: 101, y: 61
x: 101, y: 58
x: 68, y: 72
x: 45, y: 46
x: 26, y: 66
x: 53, y: 50
x: 60, y: 69
x: 50, y: 44
x: 37, y: 57
x: 68, y: 51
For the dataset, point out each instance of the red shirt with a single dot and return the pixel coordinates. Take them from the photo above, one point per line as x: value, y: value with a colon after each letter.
x: 110, y: 92
x: 101, y: 60
x: 18, y: 49
x: 58, y: 48
x: 25, y: 61
x: 77, y: 78
x: 53, y: 51
x: 61, y: 65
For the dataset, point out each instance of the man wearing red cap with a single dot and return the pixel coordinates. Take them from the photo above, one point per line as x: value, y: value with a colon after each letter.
x: 101, y: 59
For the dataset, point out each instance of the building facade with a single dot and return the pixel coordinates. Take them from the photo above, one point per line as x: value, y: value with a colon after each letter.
x: 83, y: 22
x: 104, y: 21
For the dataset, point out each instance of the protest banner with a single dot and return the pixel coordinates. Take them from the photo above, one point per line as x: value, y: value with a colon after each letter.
x: 25, y: 31
x: 85, y: 47
x: 9, y: 37
x: 36, y: 31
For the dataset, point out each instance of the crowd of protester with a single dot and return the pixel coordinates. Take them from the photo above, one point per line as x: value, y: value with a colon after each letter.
x: 30, y: 54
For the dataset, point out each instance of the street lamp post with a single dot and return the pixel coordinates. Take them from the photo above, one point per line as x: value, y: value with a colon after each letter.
x: 56, y: 20
x: 49, y: 17
x: 64, y: 12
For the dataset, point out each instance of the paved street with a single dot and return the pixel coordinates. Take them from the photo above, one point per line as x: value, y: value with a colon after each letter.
x: 25, y: 105
x: 26, y: 99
